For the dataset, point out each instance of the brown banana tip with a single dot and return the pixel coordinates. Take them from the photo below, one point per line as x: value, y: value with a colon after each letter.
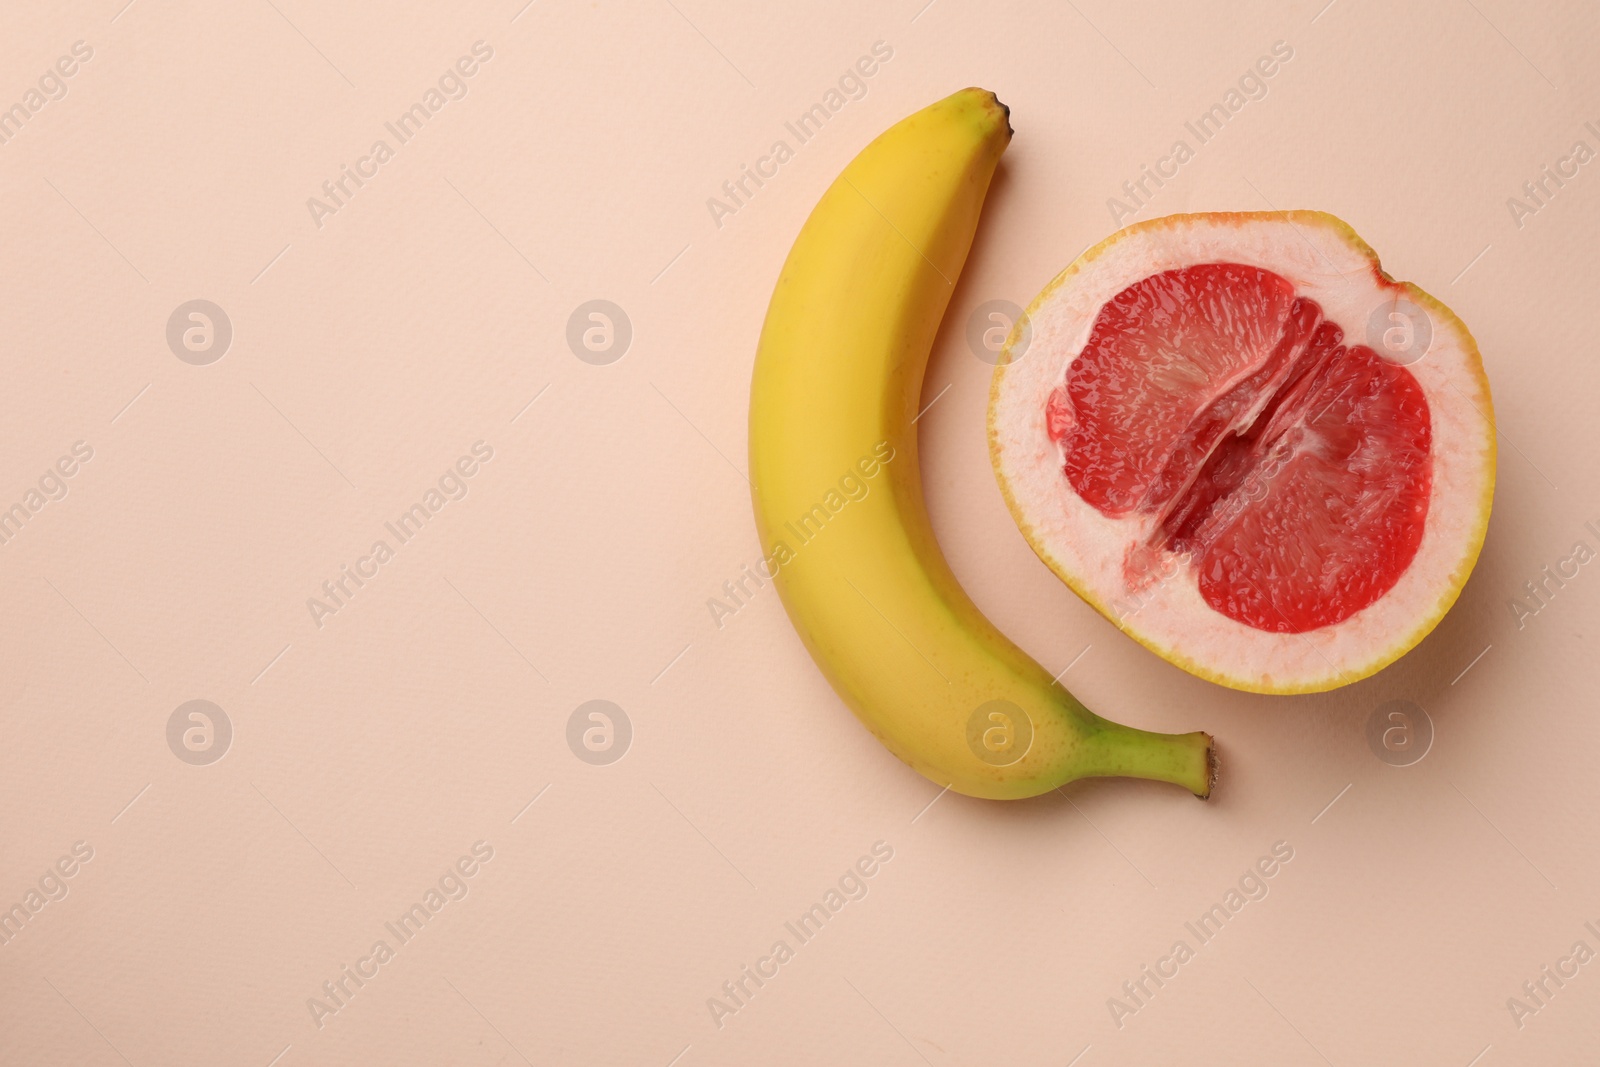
x: 1213, y: 766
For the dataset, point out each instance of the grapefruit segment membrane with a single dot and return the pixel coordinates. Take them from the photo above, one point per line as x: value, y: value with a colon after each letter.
x: 1202, y: 440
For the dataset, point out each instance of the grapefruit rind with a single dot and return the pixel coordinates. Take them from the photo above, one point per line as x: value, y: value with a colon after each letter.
x: 1326, y: 261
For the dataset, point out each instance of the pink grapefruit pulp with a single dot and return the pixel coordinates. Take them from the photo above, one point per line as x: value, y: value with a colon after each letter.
x: 1248, y: 447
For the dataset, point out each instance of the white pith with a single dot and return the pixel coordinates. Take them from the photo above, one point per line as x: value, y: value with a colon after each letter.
x: 1324, y: 263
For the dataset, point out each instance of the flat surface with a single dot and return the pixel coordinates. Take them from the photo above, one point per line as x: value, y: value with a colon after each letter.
x: 375, y: 742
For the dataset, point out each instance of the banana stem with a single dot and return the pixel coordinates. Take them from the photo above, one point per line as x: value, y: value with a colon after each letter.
x: 1114, y: 750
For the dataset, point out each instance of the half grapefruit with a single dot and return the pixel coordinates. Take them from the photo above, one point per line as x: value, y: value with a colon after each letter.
x: 1248, y: 447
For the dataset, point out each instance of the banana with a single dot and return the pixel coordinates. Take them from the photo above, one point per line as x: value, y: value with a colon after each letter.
x: 838, y: 490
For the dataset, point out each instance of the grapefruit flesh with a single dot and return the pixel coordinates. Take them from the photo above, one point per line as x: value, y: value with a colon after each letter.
x: 1199, y: 441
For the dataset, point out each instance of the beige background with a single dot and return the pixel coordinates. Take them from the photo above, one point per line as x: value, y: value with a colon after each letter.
x: 368, y: 354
